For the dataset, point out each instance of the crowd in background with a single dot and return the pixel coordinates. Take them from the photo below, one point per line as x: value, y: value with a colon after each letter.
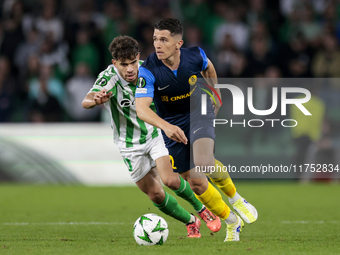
x: 51, y: 51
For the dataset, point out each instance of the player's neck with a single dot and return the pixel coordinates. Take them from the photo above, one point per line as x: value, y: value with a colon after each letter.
x: 173, y: 61
x: 135, y: 81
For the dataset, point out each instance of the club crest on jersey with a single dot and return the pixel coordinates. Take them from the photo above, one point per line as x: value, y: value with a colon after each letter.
x: 126, y: 103
x: 101, y: 81
x: 193, y: 79
x: 165, y: 98
x: 141, y: 82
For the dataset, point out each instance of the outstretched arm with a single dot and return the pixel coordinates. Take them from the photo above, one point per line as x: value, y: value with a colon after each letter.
x: 96, y: 98
x: 145, y: 113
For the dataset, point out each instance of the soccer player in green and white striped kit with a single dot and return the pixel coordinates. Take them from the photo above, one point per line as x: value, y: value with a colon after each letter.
x: 141, y: 145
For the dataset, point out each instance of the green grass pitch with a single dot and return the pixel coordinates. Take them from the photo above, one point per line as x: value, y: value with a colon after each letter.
x: 293, y: 219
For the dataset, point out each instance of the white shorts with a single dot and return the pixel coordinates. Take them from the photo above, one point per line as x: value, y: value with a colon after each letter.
x: 139, y: 159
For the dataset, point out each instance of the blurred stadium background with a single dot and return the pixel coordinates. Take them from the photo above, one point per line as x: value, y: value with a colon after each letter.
x: 51, y: 52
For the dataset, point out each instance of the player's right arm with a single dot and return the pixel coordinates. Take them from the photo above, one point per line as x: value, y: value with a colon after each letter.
x: 145, y: 113
x: 209, y: 73
x: 144, y: 97
x: 102, y: 90
x: 96, y: 98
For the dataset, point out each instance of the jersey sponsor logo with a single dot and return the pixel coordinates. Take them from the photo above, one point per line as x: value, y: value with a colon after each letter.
x: 141, y: 90
x: 175, y: 98
x: 101, y: 81
x: 126, y: 103
x: 192, y: 79
x: 141, y: 82
x: 159, y: 88
x: 165, y: 98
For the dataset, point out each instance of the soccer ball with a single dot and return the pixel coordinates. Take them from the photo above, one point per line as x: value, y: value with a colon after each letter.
x: 150, y: 229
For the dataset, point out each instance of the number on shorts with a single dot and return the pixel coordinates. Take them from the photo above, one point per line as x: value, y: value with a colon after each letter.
x: 128, y: 163
x: 172, y: 162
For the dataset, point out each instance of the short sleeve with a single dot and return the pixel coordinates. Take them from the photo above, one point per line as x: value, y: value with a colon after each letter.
x: 145, y: 83
x: 108, y: 80
x: 205, y: 59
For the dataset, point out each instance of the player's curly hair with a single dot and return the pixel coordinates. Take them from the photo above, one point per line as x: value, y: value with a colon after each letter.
x: 173, y: 25
x: 123, y: 47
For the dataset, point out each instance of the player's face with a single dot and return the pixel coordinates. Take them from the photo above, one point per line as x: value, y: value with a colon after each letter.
x: 165, y: 44
x: 128, y: 69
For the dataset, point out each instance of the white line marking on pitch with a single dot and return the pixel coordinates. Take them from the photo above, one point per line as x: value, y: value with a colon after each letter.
x: 309, y: 222
x: 123, y: 223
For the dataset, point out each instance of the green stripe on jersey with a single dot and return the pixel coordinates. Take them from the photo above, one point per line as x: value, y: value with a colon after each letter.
x: 143, y: 131
x: 154, y: 133
x: 115, y: 112
x: 129, y: 125
x: 153, y: 107
x: 133, y: 88
x: 105, y: 76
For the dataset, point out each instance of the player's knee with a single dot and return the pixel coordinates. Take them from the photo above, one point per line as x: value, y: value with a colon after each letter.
x: 205, y: 162
x: 172, y: 183
x: 157, y: 196
x: 197, y: 185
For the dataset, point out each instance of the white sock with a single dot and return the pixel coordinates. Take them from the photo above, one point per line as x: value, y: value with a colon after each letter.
x: 231, y: 218
x: 234, y: 198
x: 203, y: 208
x: 192, y: 219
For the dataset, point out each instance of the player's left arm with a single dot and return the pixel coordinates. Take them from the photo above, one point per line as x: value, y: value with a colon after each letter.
x: 211, y: 77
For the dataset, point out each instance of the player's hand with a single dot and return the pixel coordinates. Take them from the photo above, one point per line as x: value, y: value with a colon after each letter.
x: 216, y: 106
x: 102, y: 97
x: 176, y: 134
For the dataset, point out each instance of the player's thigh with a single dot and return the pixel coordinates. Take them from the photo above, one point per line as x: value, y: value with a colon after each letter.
x: 181, y: 158
x: 202, y: 137
x: 203, y: 152
x: 137, y: 161
x: 160, y: 154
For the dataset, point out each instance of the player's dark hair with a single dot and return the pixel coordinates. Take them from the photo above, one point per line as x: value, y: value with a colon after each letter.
x: 173, y: 25
x: 123, y: 47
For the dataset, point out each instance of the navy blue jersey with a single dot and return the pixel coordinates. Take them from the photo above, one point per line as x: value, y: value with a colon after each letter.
x: 176, y: 94
x: 172, y: 91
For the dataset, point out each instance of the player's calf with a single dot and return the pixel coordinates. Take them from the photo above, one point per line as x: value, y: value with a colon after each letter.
x: 198, y: 185
x: 156, y: 196
x: 172, y: 183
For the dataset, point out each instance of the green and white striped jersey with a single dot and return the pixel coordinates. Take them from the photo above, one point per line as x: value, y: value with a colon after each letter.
x: 128, y: 129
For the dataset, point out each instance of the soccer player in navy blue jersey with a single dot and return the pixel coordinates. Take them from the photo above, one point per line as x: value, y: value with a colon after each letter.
x: 140, y: 144
x: 168, y: 78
